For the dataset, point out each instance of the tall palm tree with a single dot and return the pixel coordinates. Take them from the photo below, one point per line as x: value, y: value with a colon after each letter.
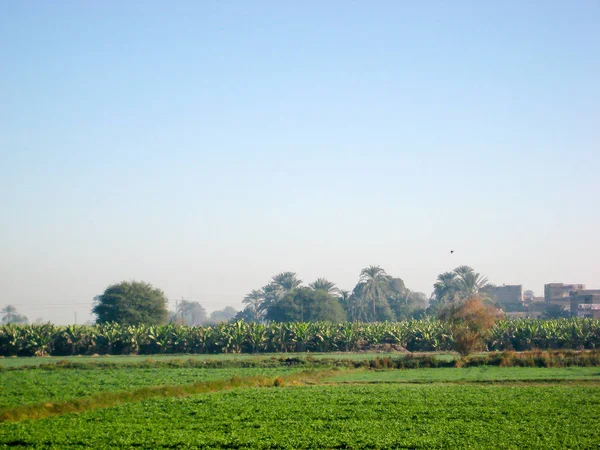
x: 343, y: 297
x: 322, y: 284
x: 470, y: 282
x: 286, y: 281
x: 446, y: 287
x: 375, y: 285
x: 194, y: 312
x: 271, y: 294
x: 254, y: 301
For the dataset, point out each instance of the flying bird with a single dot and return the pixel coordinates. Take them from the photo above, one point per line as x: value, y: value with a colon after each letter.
x: 451, y: 251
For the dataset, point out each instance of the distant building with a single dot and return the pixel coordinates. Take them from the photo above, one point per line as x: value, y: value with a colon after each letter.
x: 507, y: 295
x: 585, y: 303
x: 559, y: 293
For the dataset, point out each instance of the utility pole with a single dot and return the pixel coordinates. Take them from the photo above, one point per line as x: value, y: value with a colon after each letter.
x: 75, y: 314
x: 176, y: 309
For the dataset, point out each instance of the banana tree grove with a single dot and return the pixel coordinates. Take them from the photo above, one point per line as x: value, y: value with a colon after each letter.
x: 246, y: 337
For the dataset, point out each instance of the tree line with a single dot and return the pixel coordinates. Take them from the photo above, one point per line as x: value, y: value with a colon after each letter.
x: 376, y: 297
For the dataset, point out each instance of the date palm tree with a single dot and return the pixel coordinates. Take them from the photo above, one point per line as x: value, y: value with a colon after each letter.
x: 193, y: 312
x: 446, y: 287
x: 286, y: 281
x: 470, y: 283
x: 254, y: 302
x: 322, y: 284
x: 376, y: 285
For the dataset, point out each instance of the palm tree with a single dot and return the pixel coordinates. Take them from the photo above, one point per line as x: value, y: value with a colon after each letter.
x: 470, y: 283
x: 446, y: 287
x: 375, y: 285
x: 286, y: 281
x: 193, y: 311
x: 254, y: 301
x: 322, y: 284
x: 352, y: 304
x: 271, y: 295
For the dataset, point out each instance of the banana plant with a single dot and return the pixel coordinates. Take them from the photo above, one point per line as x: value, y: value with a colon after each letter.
x: 256, y: 337
x: 39, y: 339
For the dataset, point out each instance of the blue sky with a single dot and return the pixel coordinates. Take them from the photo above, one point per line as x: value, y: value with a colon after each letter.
x: 205, y: 146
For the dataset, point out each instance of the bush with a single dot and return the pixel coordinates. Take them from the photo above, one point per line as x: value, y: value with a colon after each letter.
x: 471, y: 322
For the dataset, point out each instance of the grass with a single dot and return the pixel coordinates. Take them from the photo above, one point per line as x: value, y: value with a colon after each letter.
x: 471, y: 374
x: 334, y: 416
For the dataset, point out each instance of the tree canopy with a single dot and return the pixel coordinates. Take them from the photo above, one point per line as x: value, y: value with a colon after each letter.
x: 460, y: 284
x: 376, y: 297
x: 190, y: 313
x: 131, y: 303
x: 10, y: 315
x: 307, y: 305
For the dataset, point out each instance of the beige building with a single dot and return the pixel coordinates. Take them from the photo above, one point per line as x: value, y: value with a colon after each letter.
x: 585, y: 303
x: 559, y: 293
x: 507, y: 294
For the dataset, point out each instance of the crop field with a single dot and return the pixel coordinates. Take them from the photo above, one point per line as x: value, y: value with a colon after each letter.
x: 14, y: 362
x: 472, y: 375
x: 37, y: 385
x: 292, y: 407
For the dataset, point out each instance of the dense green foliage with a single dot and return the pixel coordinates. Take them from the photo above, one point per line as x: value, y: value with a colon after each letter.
x: 307, y: 305
x: 20, y: 387
x: 382, y: 416
x: 243, y: 337
x: 131, y: 303
x: 376, y: 297
x: 459, y: 284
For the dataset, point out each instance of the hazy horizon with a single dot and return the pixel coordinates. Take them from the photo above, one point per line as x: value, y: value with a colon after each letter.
x: 204, y: 147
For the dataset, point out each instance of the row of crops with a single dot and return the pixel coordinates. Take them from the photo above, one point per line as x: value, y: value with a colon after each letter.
x: 334, y: 416
x: 244, y: 337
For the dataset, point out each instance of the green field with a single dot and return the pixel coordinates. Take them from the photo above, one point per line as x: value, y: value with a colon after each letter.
x: 37, y: 386
x: 476, y: 407
x: 385, y: 416
x: 472, y: 374
x: 14, y: 362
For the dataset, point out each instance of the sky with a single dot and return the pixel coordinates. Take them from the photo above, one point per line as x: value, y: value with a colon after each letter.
x: 205, y: 146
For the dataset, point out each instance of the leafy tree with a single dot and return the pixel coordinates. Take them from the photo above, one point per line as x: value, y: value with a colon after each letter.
x: 131, y: 303
x: 10, y: 315
x: 528, y: 296
x: 224, y: 315
x: 322, y: 284
x: 193, y: 313
x: 307, y: 305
